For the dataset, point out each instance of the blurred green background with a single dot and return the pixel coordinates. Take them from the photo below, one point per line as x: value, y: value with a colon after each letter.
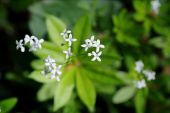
x: 130, y: 31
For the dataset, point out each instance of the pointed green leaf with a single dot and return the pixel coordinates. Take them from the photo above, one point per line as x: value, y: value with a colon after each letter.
x: 64, y: 90
x: 124, y: 94
x: 51, y: 46
x: 37, y: 64
x: 47, y: 91
x: 81, y: 31
x: 140, y: 100
x: 86, y: 90
x: 37, y: 76
x: 43, y: 53
x: 54, y: 27
x: 7, y: 104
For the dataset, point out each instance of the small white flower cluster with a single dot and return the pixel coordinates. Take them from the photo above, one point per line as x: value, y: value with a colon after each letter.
x: 155, y: 4
x: 91, y: 43
x: 52, y: 69
x: 149, y: 75
x: 33, y: 42
x: 67, y: 36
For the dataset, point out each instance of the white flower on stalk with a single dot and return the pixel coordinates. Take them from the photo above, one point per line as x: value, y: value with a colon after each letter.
x: 140, y: 84
x: 68, y: 53
x: 55, y: 73
x: 96, y: 56
x: 155, y: 4
x: 20, y: 45
x: 88, y: 43
x: 65, y: 33
x: 36, y: 44
x: 70, y: 39
x: 149, y: 74
x: 139, y: 66
x: 98, y: 45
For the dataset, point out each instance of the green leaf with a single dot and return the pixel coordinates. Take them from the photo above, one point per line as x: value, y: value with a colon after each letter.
x: 124, y: 94
x: 142, y: 7
x: 7, y: 104
x: 86, y: 90
x: 37, y: 26
x: 140, y: 101
x: 100, y: 77
x: 81, y: 31
x: 37, y: 64
x: 47, y: 91
x: 37, y: 76
x: 51, y: 46
x: 43, y: 53
x: 54, y: 27
x: 64, y: 90
x: 158, y: 42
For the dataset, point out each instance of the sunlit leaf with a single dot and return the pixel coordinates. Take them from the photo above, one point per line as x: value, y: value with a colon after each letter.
x: 124, y: 94
x: 37, y: 64
x: 7, y: 104
x: 47, y: 91
x: 140, y: 100
x: 64, y: 89
x: 86, y: 90
x: 37, y: 76
x: 43, y: 53
x: 54, y: 27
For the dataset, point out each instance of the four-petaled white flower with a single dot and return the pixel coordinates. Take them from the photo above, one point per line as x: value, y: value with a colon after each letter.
x: 50, y: 63
x: 155, y: 4
x: 96, y: 56
x: 88, y: 43
x: 149, y: 74
x: 20, y: 45
x: 139, y: 66
x: 140, y: 84
x: 65, y: 33
x: 70, y: 39
x: 36, y: 44
x: 98, y: 45
x: 56, y: 73
x: 68, y: 53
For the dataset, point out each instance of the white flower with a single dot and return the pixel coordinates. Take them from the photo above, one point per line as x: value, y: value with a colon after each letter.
x: 149, y: 74
x: 70, y: 39
x: 65, y: 33
x: 20, y: 45
x: 68, y: 53
x: 46, y: 71
x: 55, y: 73
x: 91, y: 41
x: 27, y: 39
x: 96, y: 56
x: 98, y: 45
x: 155, y: 4
x: 139, y: 66
x: 88, y: 43
x: 36, y: 44
x: 30, y: 39
x: 50, y: 63
x: 140, y: 84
